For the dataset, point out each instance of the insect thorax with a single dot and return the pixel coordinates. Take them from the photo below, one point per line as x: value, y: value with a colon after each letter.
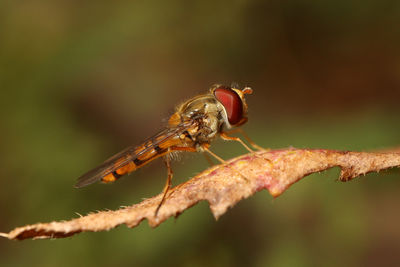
x: 209, y: 115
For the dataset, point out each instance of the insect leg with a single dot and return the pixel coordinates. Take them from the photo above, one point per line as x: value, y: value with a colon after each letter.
x: 205, y: 147
x: 208, y: 159
x: 240, y: 130
x: 167, y: 161
x: 167, y: 186
x: 225, y: 136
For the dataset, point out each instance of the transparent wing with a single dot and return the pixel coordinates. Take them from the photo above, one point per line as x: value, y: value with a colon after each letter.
x: 133, y: 157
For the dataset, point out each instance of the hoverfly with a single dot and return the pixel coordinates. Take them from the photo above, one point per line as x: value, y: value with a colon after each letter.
x: 191, y: 128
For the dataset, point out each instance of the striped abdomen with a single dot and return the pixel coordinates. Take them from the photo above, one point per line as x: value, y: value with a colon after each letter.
x: 145, y: 154
x: 133, y: 158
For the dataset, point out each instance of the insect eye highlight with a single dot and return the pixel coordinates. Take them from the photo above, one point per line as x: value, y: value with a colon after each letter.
x: 231, y: 102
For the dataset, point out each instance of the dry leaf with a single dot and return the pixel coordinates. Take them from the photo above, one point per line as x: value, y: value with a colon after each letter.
x: 222, y: 186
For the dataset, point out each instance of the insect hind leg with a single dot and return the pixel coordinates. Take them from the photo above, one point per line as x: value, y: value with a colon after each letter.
x: 167, y: 186
x: 167, y: 161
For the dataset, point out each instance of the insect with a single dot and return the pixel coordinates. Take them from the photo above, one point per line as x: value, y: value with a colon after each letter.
x: 193, y: 126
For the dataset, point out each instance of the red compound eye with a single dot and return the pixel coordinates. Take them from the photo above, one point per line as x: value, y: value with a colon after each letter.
x: 231, y: 102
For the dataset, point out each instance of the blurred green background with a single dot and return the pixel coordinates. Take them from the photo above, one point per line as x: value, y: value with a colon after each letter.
x: 82, y: 80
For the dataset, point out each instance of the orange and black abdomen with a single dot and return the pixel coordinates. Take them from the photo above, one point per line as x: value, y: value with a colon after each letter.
x: 133, y: 158
x: 145, y: 157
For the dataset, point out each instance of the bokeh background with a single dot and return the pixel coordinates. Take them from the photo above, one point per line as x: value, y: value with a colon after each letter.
x: 82, y: 80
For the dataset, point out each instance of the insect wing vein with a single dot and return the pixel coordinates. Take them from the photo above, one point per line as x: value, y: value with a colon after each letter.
x: 130, y: 153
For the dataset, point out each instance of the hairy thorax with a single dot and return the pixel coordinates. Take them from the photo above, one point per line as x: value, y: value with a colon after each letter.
x: 208, y: 114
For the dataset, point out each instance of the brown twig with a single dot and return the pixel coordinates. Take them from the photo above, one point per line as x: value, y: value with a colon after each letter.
x: 222, y: 186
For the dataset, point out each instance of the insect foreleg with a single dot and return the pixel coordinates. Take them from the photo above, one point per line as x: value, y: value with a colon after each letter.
x: 239, y: 130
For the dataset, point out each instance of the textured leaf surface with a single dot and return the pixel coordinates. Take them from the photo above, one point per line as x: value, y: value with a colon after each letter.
x: 222, y: 186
